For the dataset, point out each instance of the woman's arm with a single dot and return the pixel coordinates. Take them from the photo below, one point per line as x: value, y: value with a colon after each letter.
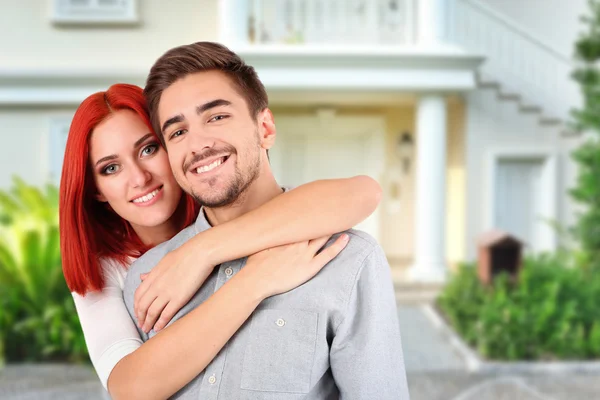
x: 172, y: 358
x: 311, y: 210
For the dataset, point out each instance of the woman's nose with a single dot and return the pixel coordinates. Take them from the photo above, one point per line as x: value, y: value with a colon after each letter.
x: 140, y: 176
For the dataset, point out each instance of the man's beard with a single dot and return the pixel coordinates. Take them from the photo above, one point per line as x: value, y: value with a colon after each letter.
x: 239, y: 184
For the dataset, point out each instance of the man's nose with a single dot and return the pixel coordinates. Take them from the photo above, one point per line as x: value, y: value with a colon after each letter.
x: 199, y: 141
x: 139, y: 176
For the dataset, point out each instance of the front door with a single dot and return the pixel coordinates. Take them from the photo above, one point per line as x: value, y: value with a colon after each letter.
x: 312, y: 147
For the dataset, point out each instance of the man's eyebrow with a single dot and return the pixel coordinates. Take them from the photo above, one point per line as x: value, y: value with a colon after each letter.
x: 171, y: 121
x: 212, y: 104
x: 199, y: 110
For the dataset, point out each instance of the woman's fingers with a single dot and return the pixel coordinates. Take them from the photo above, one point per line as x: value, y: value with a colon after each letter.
x: 140, y: 292
x: 142, y: 306
x: 316, y: 244
x: 154, y: 311
x: 330, y: 252
x: 167, y: 314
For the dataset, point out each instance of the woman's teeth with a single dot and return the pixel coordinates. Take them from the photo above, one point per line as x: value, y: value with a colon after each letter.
x: 209, y: 167
x: 147, y: 197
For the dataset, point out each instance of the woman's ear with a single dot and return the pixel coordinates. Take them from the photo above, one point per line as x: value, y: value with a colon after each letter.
x: 267, y: 130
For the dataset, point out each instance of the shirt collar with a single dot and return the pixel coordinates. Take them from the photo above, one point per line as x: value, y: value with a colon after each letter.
x: 202, y: 223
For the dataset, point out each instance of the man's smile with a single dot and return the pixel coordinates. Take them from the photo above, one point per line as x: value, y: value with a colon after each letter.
x: 208, y: 167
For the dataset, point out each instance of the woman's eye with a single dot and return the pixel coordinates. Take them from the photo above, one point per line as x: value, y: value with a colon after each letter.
x: 110, y: 169
x: 149, y: 150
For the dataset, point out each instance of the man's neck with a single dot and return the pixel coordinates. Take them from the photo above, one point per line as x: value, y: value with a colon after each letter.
x: 263, y: 189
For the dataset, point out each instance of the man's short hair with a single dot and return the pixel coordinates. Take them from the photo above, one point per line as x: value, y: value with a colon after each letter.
x: 181, y: 61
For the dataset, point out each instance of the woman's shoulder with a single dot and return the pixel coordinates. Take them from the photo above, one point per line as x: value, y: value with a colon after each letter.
x: 115, y: 271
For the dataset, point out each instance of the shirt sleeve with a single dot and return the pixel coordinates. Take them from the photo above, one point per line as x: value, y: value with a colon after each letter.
x: 109, y: 332
x: 366, y: 353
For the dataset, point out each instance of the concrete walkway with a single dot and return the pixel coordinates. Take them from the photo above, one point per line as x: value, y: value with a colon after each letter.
x: 425, y: 349
x: 435, y: 372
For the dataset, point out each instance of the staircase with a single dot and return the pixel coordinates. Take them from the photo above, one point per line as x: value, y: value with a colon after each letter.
x: 519, y: 66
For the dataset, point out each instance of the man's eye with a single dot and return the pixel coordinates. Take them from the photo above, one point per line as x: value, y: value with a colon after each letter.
x: 218, y: 118
x: 110, y: 169
x: 149, y: 150
x: 177, y: 133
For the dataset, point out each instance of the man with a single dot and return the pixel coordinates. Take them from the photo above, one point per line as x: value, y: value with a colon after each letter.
x: 338, y: 334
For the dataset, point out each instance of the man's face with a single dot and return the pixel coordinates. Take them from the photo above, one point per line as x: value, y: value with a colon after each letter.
x: 214, y: 144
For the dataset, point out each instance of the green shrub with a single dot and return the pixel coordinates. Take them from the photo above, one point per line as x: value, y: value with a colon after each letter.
x: 38, y: 320
x: 551, y: 312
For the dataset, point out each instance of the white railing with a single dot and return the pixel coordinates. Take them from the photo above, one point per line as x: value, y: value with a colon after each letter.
x: 351, y: 22
x: 517, y: 60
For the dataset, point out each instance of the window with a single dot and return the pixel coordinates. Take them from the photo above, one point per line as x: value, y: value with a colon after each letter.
x: 94, y: 11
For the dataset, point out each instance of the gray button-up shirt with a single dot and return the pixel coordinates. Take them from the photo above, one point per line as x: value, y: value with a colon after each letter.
x: 336, y: 336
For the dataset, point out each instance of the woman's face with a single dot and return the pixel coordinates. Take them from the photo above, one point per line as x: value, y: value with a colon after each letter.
x: 132, y: 172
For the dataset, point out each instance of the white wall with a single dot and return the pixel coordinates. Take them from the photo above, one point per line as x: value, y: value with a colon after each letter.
x: 495, y: 125
x: 25, y: 149
x: 555, y: 22
x: 30, y: 40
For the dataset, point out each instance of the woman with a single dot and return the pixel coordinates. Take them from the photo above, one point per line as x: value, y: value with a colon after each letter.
x: 109, y: 216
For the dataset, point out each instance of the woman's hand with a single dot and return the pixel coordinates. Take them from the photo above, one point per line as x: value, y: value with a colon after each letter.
x: 173, y: 282
x: 168, y: 287
x: 283, y: 268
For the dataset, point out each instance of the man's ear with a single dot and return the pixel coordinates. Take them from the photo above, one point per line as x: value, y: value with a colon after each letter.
x: 266, y: 129
x: 100, y: 197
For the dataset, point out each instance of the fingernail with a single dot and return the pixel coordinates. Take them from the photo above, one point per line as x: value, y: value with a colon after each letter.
x: 344, y: 237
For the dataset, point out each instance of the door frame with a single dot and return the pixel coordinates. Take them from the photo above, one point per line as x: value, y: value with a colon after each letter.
x: 548, y: 205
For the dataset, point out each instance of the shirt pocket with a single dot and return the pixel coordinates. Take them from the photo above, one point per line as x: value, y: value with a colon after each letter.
x: 280, y: 351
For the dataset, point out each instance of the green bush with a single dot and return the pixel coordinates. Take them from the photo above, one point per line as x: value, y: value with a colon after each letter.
x: 551, y: 312
x: 38, y: 320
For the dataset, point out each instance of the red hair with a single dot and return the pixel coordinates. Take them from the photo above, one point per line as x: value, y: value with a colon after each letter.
x: 89, y: 229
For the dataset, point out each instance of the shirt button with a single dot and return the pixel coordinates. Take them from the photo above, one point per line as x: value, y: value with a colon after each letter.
x: 280, y: 322
x: 212, y: 380
x: 228, y: 271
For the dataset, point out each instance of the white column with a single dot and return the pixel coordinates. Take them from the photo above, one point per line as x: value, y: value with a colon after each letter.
x: 430, y: 201
x: 432, y: 21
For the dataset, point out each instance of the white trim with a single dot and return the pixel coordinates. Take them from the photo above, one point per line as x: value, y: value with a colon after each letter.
x: 381, y: 68
x: 549, y: 206
x: 368, y: 79
x: 64, y: 96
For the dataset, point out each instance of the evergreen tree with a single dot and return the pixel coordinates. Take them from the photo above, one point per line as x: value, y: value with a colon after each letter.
x: 587, y: 119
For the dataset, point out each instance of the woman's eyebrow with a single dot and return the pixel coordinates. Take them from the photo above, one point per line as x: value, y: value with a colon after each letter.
x: 141, y: 140
x: 107, y: 158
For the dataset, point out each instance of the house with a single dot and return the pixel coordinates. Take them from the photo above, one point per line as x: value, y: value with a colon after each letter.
x: 457, y: 107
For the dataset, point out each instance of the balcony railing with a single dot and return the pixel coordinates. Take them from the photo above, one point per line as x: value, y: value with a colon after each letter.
x: 314, y: 22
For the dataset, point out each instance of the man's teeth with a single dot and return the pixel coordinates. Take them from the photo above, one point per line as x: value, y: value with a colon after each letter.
x: 209, y: 167
x: 147, y: 197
